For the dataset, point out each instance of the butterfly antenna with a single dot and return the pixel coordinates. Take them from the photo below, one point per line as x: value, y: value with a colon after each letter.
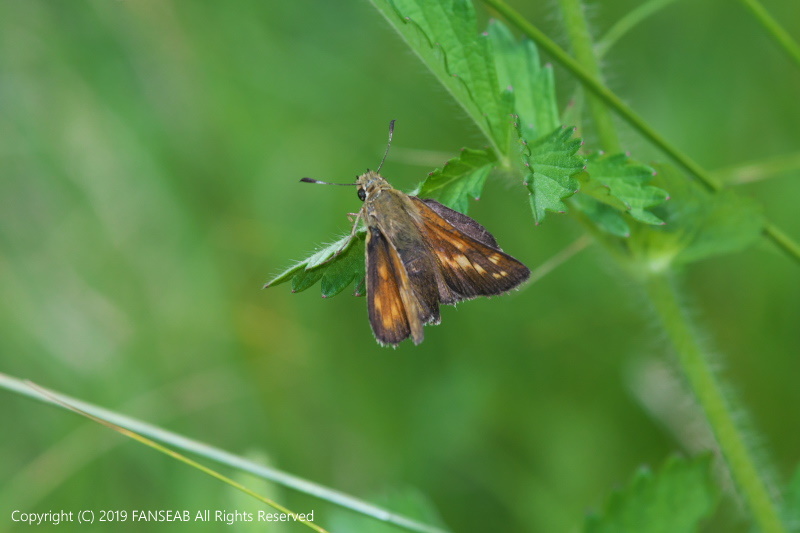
x: 388, y: 144
x: 312, y: 180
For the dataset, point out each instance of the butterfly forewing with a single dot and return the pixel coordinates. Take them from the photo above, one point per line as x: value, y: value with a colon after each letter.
x: 391, y: 320
x: 469, y: 259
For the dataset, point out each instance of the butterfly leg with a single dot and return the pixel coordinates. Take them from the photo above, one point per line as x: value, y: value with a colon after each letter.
x: 347, y: 241
x: 352, y: 234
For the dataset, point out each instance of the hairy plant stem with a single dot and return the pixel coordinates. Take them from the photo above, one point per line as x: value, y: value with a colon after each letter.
x: 772, y: 232
x: 582, y: 47
x: 694, y: 362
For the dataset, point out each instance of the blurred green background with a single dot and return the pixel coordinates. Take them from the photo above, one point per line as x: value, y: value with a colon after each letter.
x: 151, y: 152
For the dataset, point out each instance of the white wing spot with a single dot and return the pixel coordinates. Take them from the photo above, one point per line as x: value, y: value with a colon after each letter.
x: 463, y: 261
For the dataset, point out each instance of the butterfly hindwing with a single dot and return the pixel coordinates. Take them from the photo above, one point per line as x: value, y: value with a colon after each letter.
x: 463, y: 223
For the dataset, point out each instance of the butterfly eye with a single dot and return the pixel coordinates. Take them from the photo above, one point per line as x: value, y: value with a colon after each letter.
x: 362, y: 194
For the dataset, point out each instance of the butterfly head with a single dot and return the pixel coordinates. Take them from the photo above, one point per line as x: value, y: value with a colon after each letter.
x: 369, y: 184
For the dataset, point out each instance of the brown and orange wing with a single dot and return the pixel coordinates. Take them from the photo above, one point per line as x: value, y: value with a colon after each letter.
x: 393, y: 312
x: 470, y: 261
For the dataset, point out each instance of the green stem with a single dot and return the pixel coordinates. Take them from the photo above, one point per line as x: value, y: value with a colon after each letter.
x: 783, y: 241
x: 216, y: 454
x: 696, y: 367
x: 779, y: 237
x: 694, y: 362
x: 775, y: 30
x: 759, y: 170
x: 631, y: 19
x: 604, y: 93
x: 582, y: 47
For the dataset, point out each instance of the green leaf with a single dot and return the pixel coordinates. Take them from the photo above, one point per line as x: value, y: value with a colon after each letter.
x: 532, y: 86
x: 622, y: 183
x: 305, y: 278
x: 699, y: 224
x: 335, y: 271
x: 605, y: 217
x: 491, y: 75
x: 552, y: 164
x: 599, y: 192
x: 344, y: 269
x: 459, y: 179
x: 495, y: 77
x: 445, y: 37
x: 673, y: 500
